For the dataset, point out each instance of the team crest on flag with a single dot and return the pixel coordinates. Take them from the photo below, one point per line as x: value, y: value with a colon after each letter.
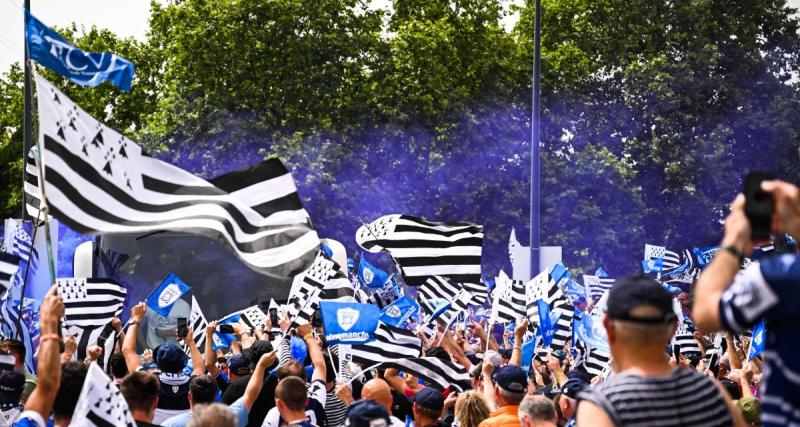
x: 346, y: 317
x: 169, y: 295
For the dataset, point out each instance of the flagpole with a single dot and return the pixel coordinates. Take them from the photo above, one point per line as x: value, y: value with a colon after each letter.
x: 25, y: 278
x: 535, y: 209
x: 27, y: 117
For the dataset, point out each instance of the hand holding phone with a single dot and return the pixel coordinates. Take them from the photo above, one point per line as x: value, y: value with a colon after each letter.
x: 759, y: 205
x: 183, y: 328
x: 225, y: 328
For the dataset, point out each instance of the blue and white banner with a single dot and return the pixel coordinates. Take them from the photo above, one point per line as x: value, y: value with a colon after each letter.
x: 759, y: 340
x: 398, y: 312
x: 369, y: 275
x: 704, y: 255
x: 655, y: 265
x: 590, y: 330
x: 166, y: 294
x: 527, y: 353
x: 348, y: 322
x: 601, y: 272
x: 546, y: 328
x: 84, y: 68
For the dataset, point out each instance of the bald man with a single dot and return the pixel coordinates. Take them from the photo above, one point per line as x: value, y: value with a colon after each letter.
x: 378, y: 390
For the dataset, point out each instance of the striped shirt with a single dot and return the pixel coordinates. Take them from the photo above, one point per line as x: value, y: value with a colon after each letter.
x: 335, y: 410
x: 682, y: 398
x: 768, y: 289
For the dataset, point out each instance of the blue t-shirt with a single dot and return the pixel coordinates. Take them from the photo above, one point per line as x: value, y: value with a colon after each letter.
x: 770, y: 289
x: 238, y: 409
x: 29, y: 419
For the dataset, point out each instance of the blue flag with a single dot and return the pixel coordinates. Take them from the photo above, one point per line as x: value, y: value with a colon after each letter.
x: 84, y: 68
x: 225, y: 340
x: 546, y: 328
x: 166, y: 294
x: 759, y: 340
x: 600, y: 272
x: 704, y: 255
x: 591, y: 331
x: 527, y: 353
x: 397, y: 313
x: 655, y: 265
x: 348, y: 322
x: 559, y: 272
x: 369, y: 275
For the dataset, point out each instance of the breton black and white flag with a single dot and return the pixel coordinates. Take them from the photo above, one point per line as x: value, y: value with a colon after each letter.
x: 438, y: 373
x: 509, y: 303
x: 198, y: 323
x: 594, y: 360
x: 385, y: 295
x: 390, y: 343
x: 596, y: 286
x: 98, y: 181
x: 100, y: 403
x: 424, y: 249
x: 308, y: 287
x: 563, y: 317
x: 9, y: 264
x: 90, y: 302
x: 543, y: 287
x: 435, y: 291
x: 459, y: 305
x: 252, y: 317
x: 104, y: 336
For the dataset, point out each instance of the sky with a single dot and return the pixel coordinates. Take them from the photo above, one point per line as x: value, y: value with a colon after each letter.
x: 126, y: 18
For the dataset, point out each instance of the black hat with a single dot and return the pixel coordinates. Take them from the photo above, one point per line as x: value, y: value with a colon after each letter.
x: 12, y: 383
x: 430, y: 398
x: 170, y: 358
x: 632, y: 292
x: 573, y: 387
x: 367, y: 413
x: 511, y: 378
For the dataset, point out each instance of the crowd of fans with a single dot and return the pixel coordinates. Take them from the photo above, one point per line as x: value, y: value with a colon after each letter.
x: 257, y: 382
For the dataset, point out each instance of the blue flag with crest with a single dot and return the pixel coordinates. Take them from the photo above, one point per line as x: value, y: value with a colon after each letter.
x: 348, y: 322
x: 166, y: 294
x: 546, y: 328
x: 369, y: 275
x: 590, y: 330
x: 655, y: 265
x: 48, y: 48
x: 601, y: 272
x: 759, y: 340
x: 397, y: 313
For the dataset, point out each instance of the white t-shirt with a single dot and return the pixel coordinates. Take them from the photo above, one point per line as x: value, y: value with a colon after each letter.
x: 317, y: 396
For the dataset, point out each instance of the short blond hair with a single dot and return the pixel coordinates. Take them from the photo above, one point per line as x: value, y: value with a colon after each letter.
x: 212, y: 415
x: 471, y: 409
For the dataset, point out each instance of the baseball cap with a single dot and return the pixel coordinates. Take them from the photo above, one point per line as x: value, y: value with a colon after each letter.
x: 170, y: 358
x: 11, y: 385
x: 561, y: 355
x: 430, y: 398
x: 632, y: 292
x: 751, y: 409
x: 511, y: 378
x: 367, y: 413
x: 238, y: 365
x: 573, y: 387
x: 505, y: 353
x: 258, y: 349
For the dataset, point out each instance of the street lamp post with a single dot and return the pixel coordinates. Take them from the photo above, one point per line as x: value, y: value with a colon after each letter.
x: 535, y: 211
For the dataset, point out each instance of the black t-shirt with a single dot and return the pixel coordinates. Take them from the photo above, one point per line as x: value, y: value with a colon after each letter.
x: 401, y: 406
x: 264, y: 402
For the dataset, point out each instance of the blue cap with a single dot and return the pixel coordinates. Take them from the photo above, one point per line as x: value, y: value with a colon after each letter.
x: 573, y: 387
x: 170, y: 358
x: 364, y: 413
x: 511, y: 378
x: 430, y: 398
x: 238, y: 365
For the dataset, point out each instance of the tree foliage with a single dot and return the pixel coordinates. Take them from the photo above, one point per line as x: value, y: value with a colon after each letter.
x: 652, y: 111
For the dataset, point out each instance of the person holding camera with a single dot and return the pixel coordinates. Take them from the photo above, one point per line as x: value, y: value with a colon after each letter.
x: 726, y: 298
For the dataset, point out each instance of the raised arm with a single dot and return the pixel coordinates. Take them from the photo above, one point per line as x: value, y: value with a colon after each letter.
x: 129, y: 345
x: 257, y: 379
x: 722, y: 270
x: 394, y: 380
x: 314, y: 352
x: 41, y: 400
x: 197, y: 358
x: 519, y: 333
x: 209, y: 355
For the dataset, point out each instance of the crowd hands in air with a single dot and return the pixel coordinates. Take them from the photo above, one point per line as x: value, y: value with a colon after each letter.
x: 257, y: 381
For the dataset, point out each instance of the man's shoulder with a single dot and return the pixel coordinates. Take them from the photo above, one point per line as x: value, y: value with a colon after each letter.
x: 29, y: 419
x: 179, y: 420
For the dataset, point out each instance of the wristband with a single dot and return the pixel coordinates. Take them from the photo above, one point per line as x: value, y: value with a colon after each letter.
x: 307, y: 336
x: 46, y: 337
x: 133, y: 322
x: 735, y: 252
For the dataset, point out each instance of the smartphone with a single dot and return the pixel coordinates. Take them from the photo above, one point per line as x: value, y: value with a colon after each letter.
x: 273, y: 317
x: 676, y: 351
x: 225, y: 328
x: 713, y: 361
x: 183, y: 329
x: 758, y: 204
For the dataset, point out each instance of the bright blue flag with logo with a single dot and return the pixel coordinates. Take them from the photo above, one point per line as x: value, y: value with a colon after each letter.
x: 225, y: 340
x: 48, y: 48
x: 166, y: 294
x: 655, y: 265
x: 704, y: 255
x: 527, y: 353
x: 369, y: 275
x: 575, y: 289
x: 591, y: 332
x: 600, y: 272
x: 546, y: 328
x: 397, y: 313
x: 348, y: 322
x: 759, y: 340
